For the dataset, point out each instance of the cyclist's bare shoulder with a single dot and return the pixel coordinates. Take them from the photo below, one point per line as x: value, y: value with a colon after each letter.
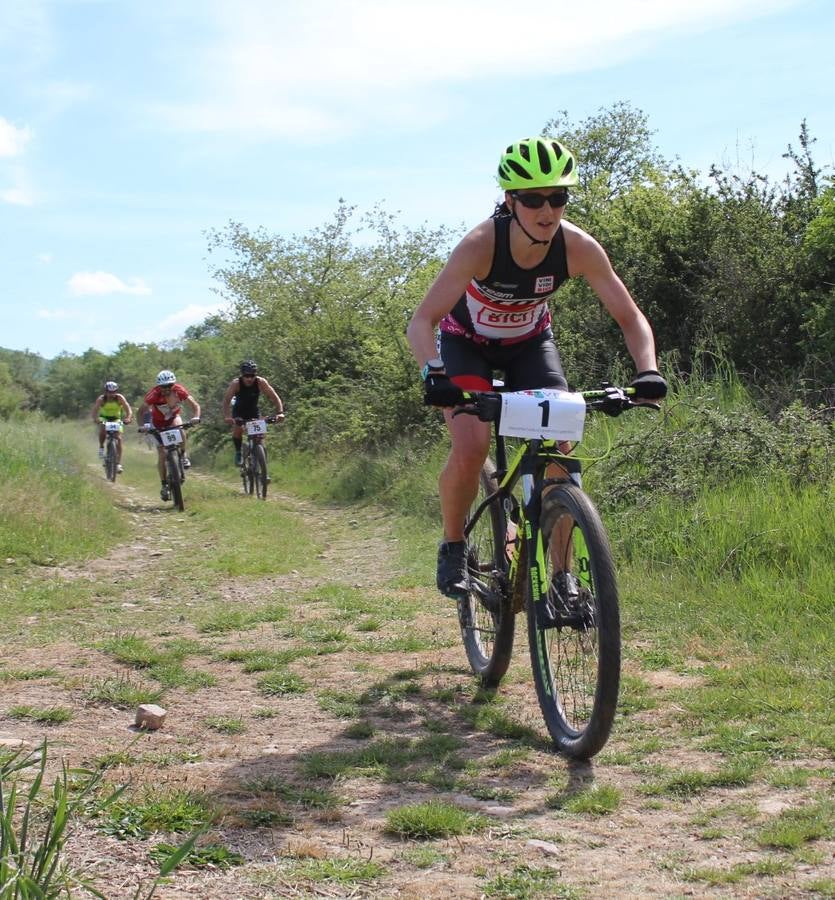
x: 473, y: 256
x: 583, y: 252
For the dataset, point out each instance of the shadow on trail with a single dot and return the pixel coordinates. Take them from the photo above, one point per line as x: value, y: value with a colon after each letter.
x: 419, y: 734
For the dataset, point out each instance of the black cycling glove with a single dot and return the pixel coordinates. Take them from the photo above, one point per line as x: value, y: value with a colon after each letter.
x: 438, y: 390
x: 649, y: 385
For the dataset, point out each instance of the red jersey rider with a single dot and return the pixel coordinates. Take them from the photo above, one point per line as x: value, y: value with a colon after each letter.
x: 165, y: 403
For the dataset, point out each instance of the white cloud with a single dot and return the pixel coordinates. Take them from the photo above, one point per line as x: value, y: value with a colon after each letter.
x: 190, y: 315
x: 332, y: 65
x: 57, y: 314
x: 16, y: 196
x: 45, y: 258
x: 12, y: 138
x: 101, y: 283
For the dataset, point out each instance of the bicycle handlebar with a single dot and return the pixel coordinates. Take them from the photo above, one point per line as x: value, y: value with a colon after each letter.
x: 608, y: 399
x: 270, y: 420
x: 184, y: 426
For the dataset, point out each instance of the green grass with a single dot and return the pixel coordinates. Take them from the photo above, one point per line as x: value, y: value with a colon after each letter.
x: 691, y: 782
x: 35, y: 826
x: 526, y: 882
x: 160, y: 810
x: 50, y: 715
x: 124, y: 691
x: 280, y: 683
x: 435, y: 819
x: 794, y: 827
x: 597, y: 800
x: 46, y: 490
x: 226, y: 724
x: 206, y: 856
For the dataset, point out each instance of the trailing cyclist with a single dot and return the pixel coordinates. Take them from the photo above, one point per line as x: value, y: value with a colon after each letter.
x: 245, y: 392
x: 491, y: 304
x: 165, y: 404
x: 111, y: 406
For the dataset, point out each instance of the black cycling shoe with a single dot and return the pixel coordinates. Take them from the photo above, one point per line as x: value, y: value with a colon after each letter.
x: 566, y: 605
x: 164, y: 493
x: 453, y: 579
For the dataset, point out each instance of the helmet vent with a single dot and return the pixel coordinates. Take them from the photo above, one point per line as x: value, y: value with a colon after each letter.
x: 519, y: 170
x: 544, y: 158
x: 569, y: 166
x: 557, y: 149
x: 525, y: 152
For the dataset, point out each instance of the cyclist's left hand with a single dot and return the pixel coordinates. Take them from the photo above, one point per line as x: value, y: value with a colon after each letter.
x: 279, y: 417
x: 649, y: 385
x: 195, y: 420
x: 439, y: 390
x: 128, y: 420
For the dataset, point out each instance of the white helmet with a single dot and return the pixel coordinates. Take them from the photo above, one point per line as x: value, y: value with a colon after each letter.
x: 111, y: 387
x: 165, y: 377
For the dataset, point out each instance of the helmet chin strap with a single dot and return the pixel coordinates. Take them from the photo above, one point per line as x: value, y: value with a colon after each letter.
x: 528, y: 235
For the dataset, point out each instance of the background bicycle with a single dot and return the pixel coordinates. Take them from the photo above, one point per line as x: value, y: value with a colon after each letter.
x: 113, y: 430
x: 544, y: 550
x: 254, y: 473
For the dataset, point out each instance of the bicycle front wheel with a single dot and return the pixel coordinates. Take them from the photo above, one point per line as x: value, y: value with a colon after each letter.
x: 260, y: 470
x: 486, y: 614
x: 174, y: 480
x: 249, y: 470
x: 576, y: 656
x: 110, y: 460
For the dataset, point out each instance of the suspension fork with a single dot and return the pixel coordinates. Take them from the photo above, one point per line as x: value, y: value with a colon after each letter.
x: 532, y: 500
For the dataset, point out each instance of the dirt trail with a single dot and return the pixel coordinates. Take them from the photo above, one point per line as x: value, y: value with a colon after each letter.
x: 286, y: 822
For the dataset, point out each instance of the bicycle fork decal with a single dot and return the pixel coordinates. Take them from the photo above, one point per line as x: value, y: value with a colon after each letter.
x: 581, y: 558
x: 539, y: 591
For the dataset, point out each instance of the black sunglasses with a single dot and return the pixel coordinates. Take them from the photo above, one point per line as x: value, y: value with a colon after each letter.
x: 537, y: 201
x: 248, y: 375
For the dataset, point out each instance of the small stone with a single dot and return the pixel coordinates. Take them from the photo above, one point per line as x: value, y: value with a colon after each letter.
x: 500, y: 812
x: 7, y: 742
x: 149, y: 716
x: 546, y: 847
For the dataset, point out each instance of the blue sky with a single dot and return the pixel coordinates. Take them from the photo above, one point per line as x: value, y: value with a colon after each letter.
x: 129, y: 129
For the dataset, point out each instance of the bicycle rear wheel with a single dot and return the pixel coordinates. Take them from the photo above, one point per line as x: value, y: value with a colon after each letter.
x: 174, y: 480
x: 486, y: 615
x: 576, y: 663
x: 260, y: 471
x: 110, y: 460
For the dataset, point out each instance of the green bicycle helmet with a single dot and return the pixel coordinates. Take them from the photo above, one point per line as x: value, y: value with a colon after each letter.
x: 539, y: 162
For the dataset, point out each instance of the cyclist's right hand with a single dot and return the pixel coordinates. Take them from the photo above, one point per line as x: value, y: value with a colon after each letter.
x: 230, y: 420
x: 438, y: 390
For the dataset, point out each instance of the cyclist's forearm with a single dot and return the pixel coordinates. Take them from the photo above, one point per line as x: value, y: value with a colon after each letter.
x: 421, y: 337
x: 640, y: 343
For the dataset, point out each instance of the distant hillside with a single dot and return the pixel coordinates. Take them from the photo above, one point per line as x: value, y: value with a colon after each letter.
x: 25, y: 365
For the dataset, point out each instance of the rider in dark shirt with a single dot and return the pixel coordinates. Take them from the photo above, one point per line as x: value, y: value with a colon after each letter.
x: 244, y: 392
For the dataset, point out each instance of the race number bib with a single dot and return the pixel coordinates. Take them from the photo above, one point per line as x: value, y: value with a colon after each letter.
x: 112, y: 426
x: 256, y: 426
x: 171, y: 438
x: 546, y: 414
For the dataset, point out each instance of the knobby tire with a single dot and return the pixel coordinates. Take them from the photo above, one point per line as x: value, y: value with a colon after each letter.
x: 576, y: 667
x: 174, y: 479
x: 487, y: 627
x: 249, y: 471
x: 110, y: 460
x: 260, y: 469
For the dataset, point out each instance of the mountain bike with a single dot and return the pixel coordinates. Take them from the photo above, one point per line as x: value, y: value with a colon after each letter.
x: 172, y: 440
x: 112, y: 431
x: 544, y: 550
x: 253, y: 455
